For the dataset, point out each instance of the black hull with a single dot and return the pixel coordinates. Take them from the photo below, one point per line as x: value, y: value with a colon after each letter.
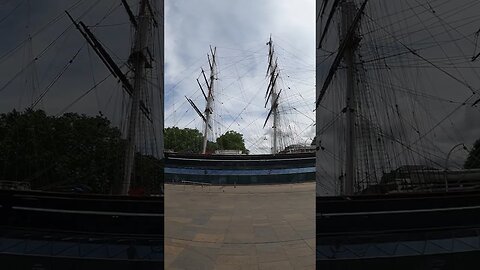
x: 240, y: 169
x: 41, y: 230
x: 22, y: 262
x: 428, y: 231
x: 450, y: 261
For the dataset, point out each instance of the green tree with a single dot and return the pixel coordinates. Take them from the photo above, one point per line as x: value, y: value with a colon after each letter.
x: 185, y: 140
x: 232, y: 140
x: 473, y: 159
x: 211, y: 147
x: 49, y: 151
x: 71, y: 149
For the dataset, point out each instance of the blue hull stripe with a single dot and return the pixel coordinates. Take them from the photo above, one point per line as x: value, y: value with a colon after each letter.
x: 191, y: 171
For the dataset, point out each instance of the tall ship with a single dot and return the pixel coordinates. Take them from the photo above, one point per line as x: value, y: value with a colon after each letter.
x: 285, y: 164
x: 392, y: 84
x: 101, y: 215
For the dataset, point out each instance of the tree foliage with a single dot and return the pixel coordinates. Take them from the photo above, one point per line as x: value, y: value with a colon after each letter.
x: 50, y: 151
x: 232, y: 140
x: 473, y: 159
x: 185, y: 140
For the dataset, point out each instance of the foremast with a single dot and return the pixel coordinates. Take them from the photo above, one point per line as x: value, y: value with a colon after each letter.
x: 209, y: 107
x: 209, y: 97
x: 272, y: 95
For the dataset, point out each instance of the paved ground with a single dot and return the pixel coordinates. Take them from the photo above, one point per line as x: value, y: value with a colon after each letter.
x: 247, y: 227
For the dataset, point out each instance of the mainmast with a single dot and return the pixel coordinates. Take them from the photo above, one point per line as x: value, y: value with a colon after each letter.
x: 209, y: 106
x: 138, y: 59
x: 348, y: 11
x: 350, y: 18
x: 272, y: 94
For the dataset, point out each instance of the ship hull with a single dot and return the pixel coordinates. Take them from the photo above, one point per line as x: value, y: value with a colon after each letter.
x: 240, y: 169
x: 415, y: 231
x: 450, y: 261
x: 46, y: 230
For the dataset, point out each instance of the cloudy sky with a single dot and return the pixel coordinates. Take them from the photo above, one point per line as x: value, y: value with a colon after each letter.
x: 239, y: 30
x: 40, y: 66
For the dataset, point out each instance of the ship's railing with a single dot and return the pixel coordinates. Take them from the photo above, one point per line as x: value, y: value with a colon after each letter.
x: 81, y: 213
x: 14, y: 185
x: 194, y: 183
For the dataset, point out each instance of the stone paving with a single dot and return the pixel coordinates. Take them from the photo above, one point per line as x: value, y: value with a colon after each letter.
x: 244, y: 227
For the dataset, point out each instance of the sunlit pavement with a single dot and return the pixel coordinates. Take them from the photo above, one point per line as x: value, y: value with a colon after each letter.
x: 243, y: 227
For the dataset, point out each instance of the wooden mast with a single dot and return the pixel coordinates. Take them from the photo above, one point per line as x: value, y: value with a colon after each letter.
x: 209, y: 106
x: 349, y: 39
x: 138, y: 59
x: 348, y: 14
x: 272, y: 95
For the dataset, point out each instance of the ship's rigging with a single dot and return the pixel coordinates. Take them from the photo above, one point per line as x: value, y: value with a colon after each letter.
x: 376, y: 99
x: 140, y: 61
x: 235, y: 83
x: 140, y: 113
x: 209, y: 98
x: 283, y: 130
